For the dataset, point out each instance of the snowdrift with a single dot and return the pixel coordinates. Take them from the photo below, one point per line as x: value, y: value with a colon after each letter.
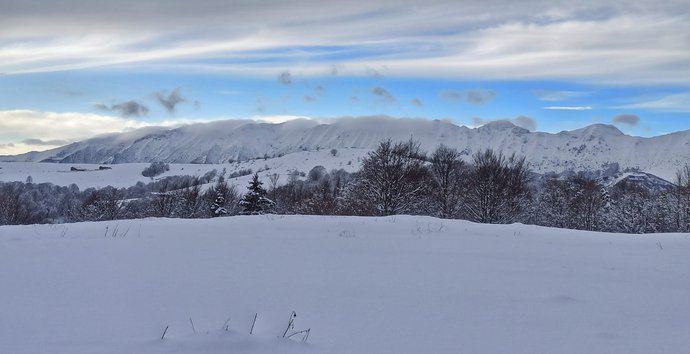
x: 363, y: 285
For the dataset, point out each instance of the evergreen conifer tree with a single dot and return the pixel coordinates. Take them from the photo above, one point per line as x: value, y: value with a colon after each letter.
x: 255, y: 201
x: 218, y: 208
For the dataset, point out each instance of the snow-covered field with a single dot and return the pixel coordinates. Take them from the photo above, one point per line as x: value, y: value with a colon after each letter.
x: 126, y: 175
x: 363, y: 285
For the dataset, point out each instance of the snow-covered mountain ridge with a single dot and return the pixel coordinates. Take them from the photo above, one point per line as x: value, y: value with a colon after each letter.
x: 595, y: 147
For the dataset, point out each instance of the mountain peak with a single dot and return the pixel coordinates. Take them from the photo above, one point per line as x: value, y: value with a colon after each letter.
x: 501, y: 124
x: 599, y: 129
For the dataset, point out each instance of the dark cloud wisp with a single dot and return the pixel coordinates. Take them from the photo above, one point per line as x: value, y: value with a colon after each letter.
x: 452, y: 95
x: 480, y: 96
x: 171, y: 100
x: 475, y: 96
x: 285, y: 78
x: 126, y: 108
x: 525, y: 122
x: 383, y: 93
x: 373, y: 73
x: 630, y: 119
x: 479, y: 121
x: 72, y: 93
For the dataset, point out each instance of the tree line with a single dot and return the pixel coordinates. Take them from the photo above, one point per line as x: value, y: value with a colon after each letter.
x: 395, y: 178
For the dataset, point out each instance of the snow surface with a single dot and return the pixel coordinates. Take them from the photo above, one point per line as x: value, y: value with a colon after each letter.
x: 363, y: 285
x: 128, y: 174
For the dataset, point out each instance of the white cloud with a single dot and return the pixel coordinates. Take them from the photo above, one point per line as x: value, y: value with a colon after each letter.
x: 20, y: 148
x: 679, y: 102
x: 546, y: 95
x: 532, y: 39
x: 278, y: 118
x: 52, y: 125
x: 27, y: 130
x: 569, y: 108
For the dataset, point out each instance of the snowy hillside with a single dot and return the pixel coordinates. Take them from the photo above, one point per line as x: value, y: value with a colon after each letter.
x: 362, y: 285
x: 646, y: 181
x: 128, y: 174
x: 592, y: 148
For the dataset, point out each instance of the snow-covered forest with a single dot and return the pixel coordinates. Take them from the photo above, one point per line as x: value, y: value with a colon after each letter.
x: 395, y: 178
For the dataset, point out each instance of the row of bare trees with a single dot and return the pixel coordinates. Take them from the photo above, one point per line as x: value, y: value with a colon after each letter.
x: 398, y: 178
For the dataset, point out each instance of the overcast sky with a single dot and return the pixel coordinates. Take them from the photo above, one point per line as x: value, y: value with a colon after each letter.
x: 70, y: 69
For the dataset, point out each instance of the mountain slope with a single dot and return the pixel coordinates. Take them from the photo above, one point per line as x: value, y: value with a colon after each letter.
x: 591, y: 148
x: 643, y: 180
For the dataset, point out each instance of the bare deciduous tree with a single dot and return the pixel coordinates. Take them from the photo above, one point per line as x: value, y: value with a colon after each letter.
x: 103, y: 204
x: 498, y: 189
x: 682, y: 199
x: 13, y: 210
x: 449, y: 179
x: 393, y: 178
x: 587, y: 203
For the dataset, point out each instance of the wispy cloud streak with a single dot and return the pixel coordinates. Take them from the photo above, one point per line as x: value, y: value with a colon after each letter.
x: 532, y: 39
x: 569, y: 108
